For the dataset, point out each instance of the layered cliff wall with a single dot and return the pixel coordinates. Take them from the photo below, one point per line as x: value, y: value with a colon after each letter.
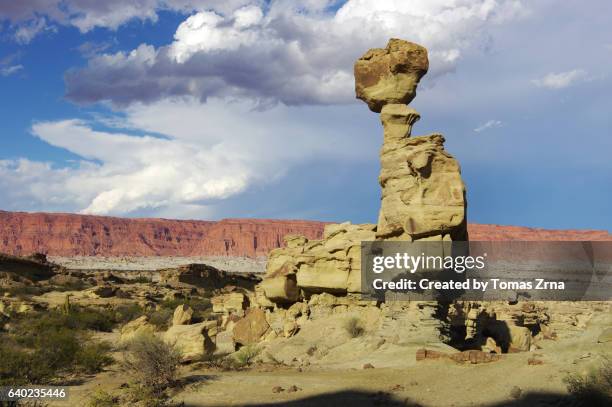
x: 82, y: 235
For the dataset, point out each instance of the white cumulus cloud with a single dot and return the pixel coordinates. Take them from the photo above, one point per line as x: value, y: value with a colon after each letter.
x: 201, y: 154
x: 292, y: 52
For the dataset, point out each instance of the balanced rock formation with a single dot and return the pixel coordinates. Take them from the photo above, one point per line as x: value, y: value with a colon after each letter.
x: 423, y: 195
x: 391, y: 74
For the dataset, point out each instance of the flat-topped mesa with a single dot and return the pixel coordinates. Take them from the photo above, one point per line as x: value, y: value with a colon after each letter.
x: 390, y: 75
x: 423, y: 195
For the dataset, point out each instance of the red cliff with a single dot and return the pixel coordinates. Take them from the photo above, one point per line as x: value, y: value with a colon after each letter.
x: 82, y: 235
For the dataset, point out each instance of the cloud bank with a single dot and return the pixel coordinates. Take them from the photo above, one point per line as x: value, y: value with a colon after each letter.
x: 295, y: 53
x: 198, y: 154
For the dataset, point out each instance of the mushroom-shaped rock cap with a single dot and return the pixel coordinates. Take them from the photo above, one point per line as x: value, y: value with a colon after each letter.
x: 390, y: 75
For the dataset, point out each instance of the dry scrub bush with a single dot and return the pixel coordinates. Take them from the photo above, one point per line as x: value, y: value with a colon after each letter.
x: 593, y: 389
x: 102, y: 398
x: 354, y: 327
x: 152, y: 362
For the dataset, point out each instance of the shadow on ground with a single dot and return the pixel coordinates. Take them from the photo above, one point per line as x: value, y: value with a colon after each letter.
x: 360, y: 398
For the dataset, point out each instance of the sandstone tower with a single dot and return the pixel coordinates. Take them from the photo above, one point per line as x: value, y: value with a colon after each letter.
x: 423, y: 195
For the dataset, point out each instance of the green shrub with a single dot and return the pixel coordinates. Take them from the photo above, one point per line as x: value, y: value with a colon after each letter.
x: 32, y: 356
x: 593, y: 389
x: 76, y: 318
x: 141, y: 280
x: 246, y: 355
x: 354, y: 327
x: 128, y: 312
x: 102, y: 398
x: 20, y: 367
x: 93, y: 356
x: 161, y: 318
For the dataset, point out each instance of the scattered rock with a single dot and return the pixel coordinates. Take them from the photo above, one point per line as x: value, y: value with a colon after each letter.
x: 234, y: 302
x: 605, y: 336
x: 251, y: 328
x: 520, y: 338
x: 103, y: 291
x: 397, y: 387
x: 182, y: 315
x: 293, y: 389
x: 468, y: 356
x: 368, y: 366
x: 516, y: 392
x: 194, y: 341
x: 139, y: 326
x: 277, y: 389
x: 533, y: 361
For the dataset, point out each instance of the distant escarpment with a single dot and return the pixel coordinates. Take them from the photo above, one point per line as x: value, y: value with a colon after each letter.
x: 83, y: 235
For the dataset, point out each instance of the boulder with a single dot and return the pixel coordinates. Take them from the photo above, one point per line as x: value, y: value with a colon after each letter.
x: 331, y: 265
x: 182, y: 315
x: 103, y: 291
x: 520, y: 338
x: 251, y: 328
x: 605, y: 336
x: 391, y: 74
x: 193, y: 341
x: 205, y: 276
x: 230, y: 303
x: 281, y: 289
x: 137, y: 327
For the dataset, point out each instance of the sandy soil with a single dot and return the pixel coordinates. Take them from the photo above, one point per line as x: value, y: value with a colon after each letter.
x: 426, y: 383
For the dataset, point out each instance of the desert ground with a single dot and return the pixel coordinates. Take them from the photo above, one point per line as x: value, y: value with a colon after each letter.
x: 321, y: 362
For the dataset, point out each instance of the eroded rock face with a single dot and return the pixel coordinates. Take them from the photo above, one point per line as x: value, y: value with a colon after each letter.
x: 331, y: 265
x: 423, y: 195
x: 390, y: 75
x: 182, y: 315
x: 251, y: 328
x: 193, y: 341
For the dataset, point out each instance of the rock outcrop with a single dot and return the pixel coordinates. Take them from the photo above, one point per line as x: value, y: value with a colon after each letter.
x: 331, y: 265
x: 205, y: 276
x: 423, y: 195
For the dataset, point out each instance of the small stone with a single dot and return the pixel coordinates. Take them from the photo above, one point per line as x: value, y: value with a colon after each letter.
x: 534, y: 362
x: 367, y: 366
x: 277, y: 389
x: 515, y: 392
x: 397, y: 387
x: 293, y: 389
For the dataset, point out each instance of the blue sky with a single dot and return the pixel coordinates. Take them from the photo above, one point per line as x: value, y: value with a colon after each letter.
x: 211, y: 109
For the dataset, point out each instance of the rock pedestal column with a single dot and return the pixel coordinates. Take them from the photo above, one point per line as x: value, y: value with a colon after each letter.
x: 423, y: 195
